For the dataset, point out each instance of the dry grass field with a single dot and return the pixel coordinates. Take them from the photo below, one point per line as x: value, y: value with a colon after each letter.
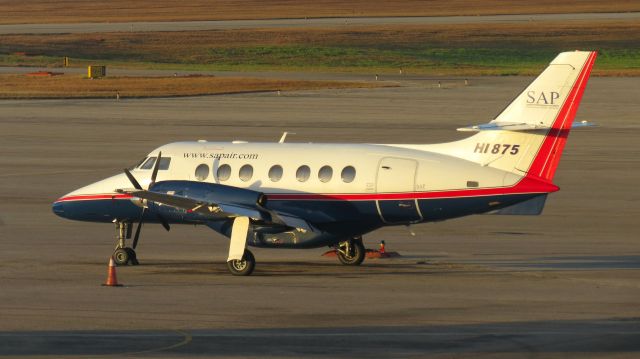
x: 69, y: 11
x: 73, y: 86
x: 474, y: 49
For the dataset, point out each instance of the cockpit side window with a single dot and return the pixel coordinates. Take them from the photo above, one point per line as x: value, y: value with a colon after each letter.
x: 148, y: 163
x: 138, y: 163
x: 164, y: 163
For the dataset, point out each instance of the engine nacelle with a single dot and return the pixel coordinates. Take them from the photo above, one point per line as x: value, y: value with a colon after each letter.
x: 211, y: 192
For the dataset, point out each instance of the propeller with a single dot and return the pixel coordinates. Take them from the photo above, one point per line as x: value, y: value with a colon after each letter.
x: 154, y: 174
x: 132, y: 179
x: 137, y: 185
x: 137, y: 235
x: 163, y: 221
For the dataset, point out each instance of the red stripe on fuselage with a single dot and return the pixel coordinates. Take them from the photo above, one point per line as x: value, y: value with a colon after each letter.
x: 527, y: 185
x: 93, y: 197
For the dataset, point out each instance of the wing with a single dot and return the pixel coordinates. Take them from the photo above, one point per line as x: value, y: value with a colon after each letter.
x: 207, y: 208
x: 216, y: 201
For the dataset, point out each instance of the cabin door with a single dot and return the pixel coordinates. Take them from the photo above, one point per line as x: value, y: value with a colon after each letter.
x: 395, y: 186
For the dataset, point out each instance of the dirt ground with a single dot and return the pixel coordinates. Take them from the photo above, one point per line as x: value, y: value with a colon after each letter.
x: 23, y: 86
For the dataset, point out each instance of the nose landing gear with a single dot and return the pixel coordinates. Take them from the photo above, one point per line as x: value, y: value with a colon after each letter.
x: 124, y: 255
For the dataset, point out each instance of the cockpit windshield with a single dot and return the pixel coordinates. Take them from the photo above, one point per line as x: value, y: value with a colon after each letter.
x: 148, y: 164
x: 138, y: 163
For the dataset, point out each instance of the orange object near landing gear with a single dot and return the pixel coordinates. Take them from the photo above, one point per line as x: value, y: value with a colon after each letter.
x: 112, y: 280
x: 381, y: 253
x: 344, y: 249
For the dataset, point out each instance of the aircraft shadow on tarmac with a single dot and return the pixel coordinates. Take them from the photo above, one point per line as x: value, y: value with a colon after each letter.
x: 580, y: 263
x: 407, y: 266
x: 614, y: 336
x: 302, y: 268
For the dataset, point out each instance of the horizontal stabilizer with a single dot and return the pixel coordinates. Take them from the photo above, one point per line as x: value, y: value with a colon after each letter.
x: 583, y: 124
x: 516, y: 126
x: 532, y: 207
x: 503, y: 126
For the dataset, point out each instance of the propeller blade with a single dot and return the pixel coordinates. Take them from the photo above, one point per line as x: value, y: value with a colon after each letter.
x: 163, y: 221
x: 155, y: 169
x: 132, y: 179
x: 137, y: 235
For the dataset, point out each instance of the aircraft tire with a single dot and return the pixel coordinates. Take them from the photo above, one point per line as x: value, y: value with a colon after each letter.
x: 243, y: 267
x: 357, y: 254
x: 121, y: 256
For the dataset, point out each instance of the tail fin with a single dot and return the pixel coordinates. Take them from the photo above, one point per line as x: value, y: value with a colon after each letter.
x: 528, y: 137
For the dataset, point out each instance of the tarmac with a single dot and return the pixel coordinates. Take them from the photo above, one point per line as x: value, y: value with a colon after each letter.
x: 153, y: 26
x: 563, y: 284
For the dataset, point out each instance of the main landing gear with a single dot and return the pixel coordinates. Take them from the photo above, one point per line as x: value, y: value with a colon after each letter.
x: 124, y: 255
x: 351, y: 252
x: 243, y: 266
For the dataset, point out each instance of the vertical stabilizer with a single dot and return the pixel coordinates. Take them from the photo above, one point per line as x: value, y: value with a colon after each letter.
x: 528, y: 137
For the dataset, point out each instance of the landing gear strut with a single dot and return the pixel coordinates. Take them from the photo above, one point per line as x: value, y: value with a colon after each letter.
x: 351, y: 252
x: 124, y: 255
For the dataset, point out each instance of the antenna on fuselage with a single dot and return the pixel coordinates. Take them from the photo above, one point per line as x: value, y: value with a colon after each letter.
x: 284, y: 135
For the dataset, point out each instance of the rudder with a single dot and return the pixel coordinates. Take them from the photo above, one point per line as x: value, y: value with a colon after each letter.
x: 528, y: 136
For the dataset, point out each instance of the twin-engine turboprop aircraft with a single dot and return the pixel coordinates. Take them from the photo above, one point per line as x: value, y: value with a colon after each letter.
x: 295, y: 195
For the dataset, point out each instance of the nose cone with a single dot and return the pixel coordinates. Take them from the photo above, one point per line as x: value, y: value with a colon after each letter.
x: 97, y: 202
x: 58, y: 209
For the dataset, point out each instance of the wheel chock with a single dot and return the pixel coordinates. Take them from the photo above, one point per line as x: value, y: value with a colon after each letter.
x: 381, y: 253
x: 370, y: 253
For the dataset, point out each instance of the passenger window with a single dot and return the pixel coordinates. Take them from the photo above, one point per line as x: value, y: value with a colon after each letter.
x: 246, y: 172
x: 275, y: 173
x: 224, y: 172
x: 348, y: 174
x: 325, y: 174
x: 202, y: 172
x: 303, y: 173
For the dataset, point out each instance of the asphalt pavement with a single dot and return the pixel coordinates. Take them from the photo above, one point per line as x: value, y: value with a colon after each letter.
x: 563, y: 284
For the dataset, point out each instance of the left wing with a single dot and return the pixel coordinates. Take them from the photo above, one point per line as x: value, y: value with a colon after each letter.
x: 219, y: 202
x: 207, y: 208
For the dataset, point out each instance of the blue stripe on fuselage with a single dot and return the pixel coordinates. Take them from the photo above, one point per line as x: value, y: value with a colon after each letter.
x: 323, y: 213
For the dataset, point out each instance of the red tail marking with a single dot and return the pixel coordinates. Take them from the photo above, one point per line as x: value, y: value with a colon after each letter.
x: 546, y: 162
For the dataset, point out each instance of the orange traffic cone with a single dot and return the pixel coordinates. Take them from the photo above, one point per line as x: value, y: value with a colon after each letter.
x: 112, y: 280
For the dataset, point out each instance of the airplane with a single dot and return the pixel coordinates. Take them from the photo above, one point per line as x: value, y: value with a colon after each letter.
x: 304, y: 195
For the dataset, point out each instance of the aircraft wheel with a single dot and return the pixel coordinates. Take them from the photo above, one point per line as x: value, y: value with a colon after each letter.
x: 351, y: 252
x: 243, y: 266
x: 121, y: 256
